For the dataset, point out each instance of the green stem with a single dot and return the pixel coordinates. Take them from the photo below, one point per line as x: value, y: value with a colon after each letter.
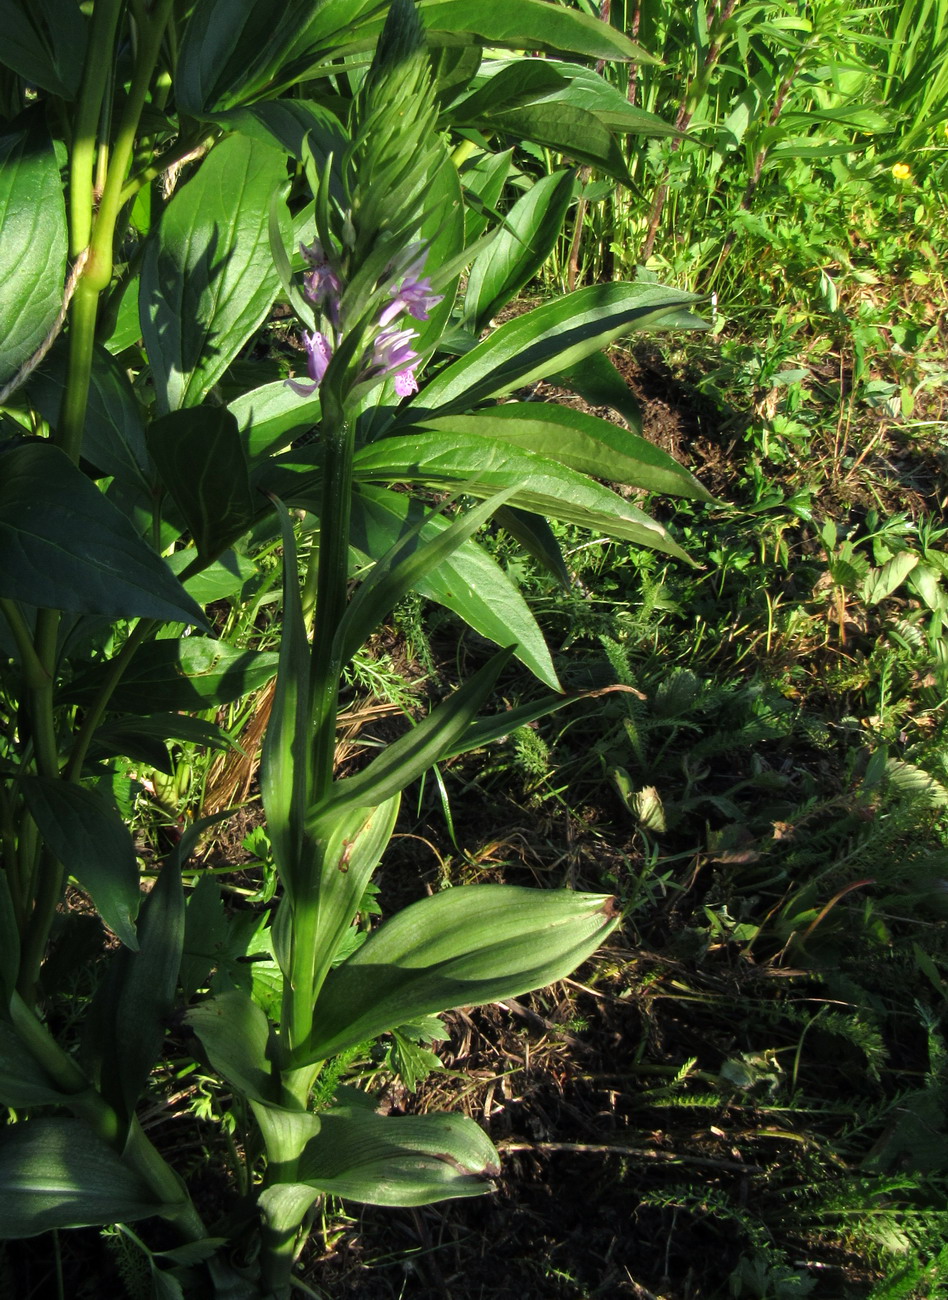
x: 72, y: 417
x: 99, y: 267
x: 95, y: 77
x: 331, y: 592
x: 332, y: 573
x: 48, y: 881
x: 34, y: 670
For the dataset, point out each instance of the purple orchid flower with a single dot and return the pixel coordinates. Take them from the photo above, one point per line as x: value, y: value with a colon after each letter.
x: 318, y: 356
x: 322, y: 284
x: 393, y: 356
x: 415, y: 297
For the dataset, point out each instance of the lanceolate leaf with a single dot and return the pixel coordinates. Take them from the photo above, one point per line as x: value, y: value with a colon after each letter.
x: 235, y: 1034
x: 201, y: 460
x: 231, y: 49
x: 411, y: 755
x: 23, y: 1081
x: 398, y: 1160
x: 187, y: 673
x: 530, y: 25
x: 596, y: 379
x: 63, y: 545
x: 400, y: 569
x: 130, y: 1014
x: 531, y: 229
x: 270, y: 417
x: 208, y: 278
x: 480, y: 467
x: 113, y: 439
x: 44, y: 42
x: 582, y: 442
x: 546, y: 340
x: 33, y: 247
x: 55, y: 1173
x: 94, y: 845
x: 351, y: 844
x: 469, y: 582
x: 568, y: 129
x: 471, y: 944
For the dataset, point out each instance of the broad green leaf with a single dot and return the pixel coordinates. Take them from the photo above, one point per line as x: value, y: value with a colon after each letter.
x: 284, y: 1205
x: 113, y: 438
x: 63, y: 545
x: 545, y: 341
x: 94, y: 845
x: 288, y: 123
x: 232, y: 49
x: 597, y: 380
x: 407, y: 758
x: 186, y: 673
x: 588, y: 90
x: 537, y: 538
x: 207, y: 279
x: 531, y: 229
x: 201, y: 460
x: 228, y: 575
x: 44, y: 42
x: 398, y: 1159
x: 33, y: 247
x: 504, y: 86
x: 880, y: 583
x: 530, y: 25
x: 130, y: 1013
x: 582, y: 442
x: 127, y: 329
x: 205, y: 931
x: 400, y: 568
x: 144, y: 739
x: 285, y: 1131
x: 574, y: 132
x: 474, y: 465
x: 269, y: 418
x: 484, y: 180
x: 470, y: 582
x: 235, y: 1034
x: 23, y: 1081
x: 55, y: 1173
x: 467, y: 945
x: 351, y: 844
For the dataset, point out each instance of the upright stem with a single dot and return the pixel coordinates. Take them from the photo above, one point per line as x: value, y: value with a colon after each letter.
x: 331, y: 590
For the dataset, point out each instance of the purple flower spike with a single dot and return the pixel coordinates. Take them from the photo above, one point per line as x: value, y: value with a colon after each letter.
x: 321, y: 282
x: 393, y: 356
x: 406, y: 383
x: 318, y: 356
x: 415, y: 297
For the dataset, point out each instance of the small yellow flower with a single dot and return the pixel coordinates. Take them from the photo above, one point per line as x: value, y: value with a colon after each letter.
x: 902, y: 172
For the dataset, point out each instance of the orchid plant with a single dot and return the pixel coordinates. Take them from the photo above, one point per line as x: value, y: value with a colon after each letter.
x: 193, y: 164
